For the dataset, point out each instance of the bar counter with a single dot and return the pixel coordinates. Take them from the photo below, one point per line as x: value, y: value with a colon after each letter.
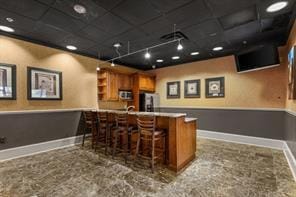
x: 181, y: 135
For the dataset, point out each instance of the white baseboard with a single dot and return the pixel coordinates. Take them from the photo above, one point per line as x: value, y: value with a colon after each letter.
x: 255, y: 141
x: 242, y: 139
x: 291, y: 159
x: 22, y: 151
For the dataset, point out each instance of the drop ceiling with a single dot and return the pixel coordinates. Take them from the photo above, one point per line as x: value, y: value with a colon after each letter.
x: 236, y: 25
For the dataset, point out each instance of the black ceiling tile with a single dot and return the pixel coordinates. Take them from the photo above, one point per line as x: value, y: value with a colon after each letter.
x: 168, y: 5
x: 93, y: 11
x: 79, y: 42
x: 243, y: 31
x: 132, y: 36
x: 226, y: 7
x: 190, y: 14
x: 62, y: 21
x: 239, y: 18
x: 47, y: 33
x: 19, y: 22
x: 136, y: 12
x: 48, y: 2
x: 93, y: 33
x: 263, y: 5
x: 29, y: 8
x: 158, y: 27
x: 111, y: 24
x: 270, y: 24
x: 203, y: 30
x: 107, y: 4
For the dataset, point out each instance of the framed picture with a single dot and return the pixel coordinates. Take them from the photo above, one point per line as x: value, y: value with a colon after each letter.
x: 7, y: 82
x: 215, y: 87
x: 44, y: 84
x: 173, y: 89
x: 192, y: 88
x: 292, y: 74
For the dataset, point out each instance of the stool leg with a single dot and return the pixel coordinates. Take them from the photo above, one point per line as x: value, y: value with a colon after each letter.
x: 83, y: 139
x: 106, y: 140
x: 138, y: 146
x: 126, y: 147
x: 115, y: 144
x: 152, y: 158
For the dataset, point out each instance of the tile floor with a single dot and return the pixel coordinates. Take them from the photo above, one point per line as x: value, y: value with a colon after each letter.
x: 220, y: 169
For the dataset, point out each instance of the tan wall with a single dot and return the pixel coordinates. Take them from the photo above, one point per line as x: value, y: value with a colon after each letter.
x: 290, y: 104
x: 79, y: 75
x: 260, y: 89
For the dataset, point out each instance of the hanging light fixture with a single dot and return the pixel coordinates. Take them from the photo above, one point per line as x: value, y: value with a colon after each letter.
x: 180, y: 46
x: 147, y: 54
x: 112, y: 64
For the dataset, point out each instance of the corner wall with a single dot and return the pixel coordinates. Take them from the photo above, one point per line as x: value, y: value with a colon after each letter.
x: 79, y: 75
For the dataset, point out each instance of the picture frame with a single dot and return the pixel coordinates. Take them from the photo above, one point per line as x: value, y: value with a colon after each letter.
x: 44, y: 84
x: 192, y: 88
x: 7, y: 81
x: 173, y: 89
x: 215, y: 87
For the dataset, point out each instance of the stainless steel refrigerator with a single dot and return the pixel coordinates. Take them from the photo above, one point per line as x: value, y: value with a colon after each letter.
x: 149, y: 102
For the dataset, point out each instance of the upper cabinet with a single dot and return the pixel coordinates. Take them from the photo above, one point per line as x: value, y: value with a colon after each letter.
x: 107, y: 85
x: 146, y: 82
x: 125, y: 82
x: 110, y: 82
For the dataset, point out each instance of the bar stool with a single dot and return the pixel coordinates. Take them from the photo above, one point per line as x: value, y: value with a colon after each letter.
x: 90, y: 124
x: 149, y: 138
x: 103, y: 126
x: 120, y: 135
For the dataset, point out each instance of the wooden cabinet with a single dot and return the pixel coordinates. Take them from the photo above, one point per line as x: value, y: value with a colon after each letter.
x: 124, y: 82
x: 146, y: 83
x: 113, y: 86
x: 107, y: 85
x: 110, y: 82
x: 142, y: 83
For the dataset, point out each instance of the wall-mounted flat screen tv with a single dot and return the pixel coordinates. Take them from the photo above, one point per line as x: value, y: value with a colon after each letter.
x: 263, y: 57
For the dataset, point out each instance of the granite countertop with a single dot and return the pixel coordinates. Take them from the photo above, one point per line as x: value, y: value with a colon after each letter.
x: 172, y: 115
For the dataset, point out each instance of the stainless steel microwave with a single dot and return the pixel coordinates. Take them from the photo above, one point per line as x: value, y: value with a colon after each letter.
x: 125, y: 95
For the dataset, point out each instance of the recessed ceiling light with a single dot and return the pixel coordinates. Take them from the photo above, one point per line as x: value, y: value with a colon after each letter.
x: 117, y: 45
x: 80, y: 9
x: 10, y: 20
x: 175, y: 57
x: 194, y: 53
x: 5, y: 28
x: 159, y: 60
x: 71, y: 47
x: 217, y: 48
x: 277, y: 6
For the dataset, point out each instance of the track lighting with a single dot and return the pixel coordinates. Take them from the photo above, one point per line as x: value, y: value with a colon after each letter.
x: 179, y: 47
x: 147, y: 54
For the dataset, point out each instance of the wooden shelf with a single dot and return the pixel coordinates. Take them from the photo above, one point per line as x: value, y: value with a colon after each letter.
x: 102, y: 85
x: 101, y: 92
x: 101, y: 78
